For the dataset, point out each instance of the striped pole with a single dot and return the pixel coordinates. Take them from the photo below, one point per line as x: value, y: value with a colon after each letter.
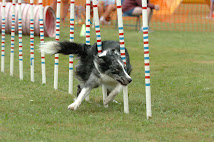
x: 97, y: 27
x: 31, y: 41
x: 70, y: 89
x: 99, y: 42
x: 56, y: 65
x: 3, y: 36
x: 122, y: 52
x: 20, y: 39
x: 87, y: 23
x: 146, y: 58
x: 12, y: 38
x: 41, y: 26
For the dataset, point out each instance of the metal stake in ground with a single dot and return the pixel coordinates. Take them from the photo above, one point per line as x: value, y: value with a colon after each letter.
x: 41, y: 25
x: 146, y: 58
x: 3, y: 36
x: 122, y: 52
x: 70, y: 89
x: 56, y: 65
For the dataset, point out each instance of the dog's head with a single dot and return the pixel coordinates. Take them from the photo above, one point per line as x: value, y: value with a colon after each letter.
x: 110, y: 64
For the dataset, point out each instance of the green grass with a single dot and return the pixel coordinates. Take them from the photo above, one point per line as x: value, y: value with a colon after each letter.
x: 181, y: 83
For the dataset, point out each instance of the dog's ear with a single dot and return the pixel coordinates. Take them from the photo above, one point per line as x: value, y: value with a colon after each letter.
x: 103, y: 60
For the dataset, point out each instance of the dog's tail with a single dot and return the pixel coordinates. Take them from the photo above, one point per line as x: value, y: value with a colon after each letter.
x: 65, y: 47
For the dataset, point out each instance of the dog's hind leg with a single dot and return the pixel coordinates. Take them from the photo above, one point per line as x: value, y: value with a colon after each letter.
x: 113, y: 94
x: 84, y: 93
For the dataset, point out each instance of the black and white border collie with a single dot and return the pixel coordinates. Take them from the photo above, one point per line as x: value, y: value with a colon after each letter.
x: 94, y: 70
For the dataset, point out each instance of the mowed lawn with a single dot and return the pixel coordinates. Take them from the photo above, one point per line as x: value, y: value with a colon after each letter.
x: 182, y: 86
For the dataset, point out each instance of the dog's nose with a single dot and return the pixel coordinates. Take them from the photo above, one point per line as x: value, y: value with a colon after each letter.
x: 129, y: 80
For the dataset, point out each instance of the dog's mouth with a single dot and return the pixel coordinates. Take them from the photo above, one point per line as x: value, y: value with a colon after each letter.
x: 124, y: 83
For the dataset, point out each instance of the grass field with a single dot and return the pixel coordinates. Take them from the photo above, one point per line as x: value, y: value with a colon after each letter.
x: 182, y: 65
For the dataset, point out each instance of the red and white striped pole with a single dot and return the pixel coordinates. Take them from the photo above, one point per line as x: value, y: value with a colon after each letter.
x: 70, y: 88
x: 56, y: 65
x: 20, y: 39
x: 146, y: 58
x: 99, y: 42
x: 3, y: 36
x: 87, y: 23
x: 41, y: 23
x: 12, y: 38
x: 31, y: 40
x: 122, y: 52
x: 97, y: 27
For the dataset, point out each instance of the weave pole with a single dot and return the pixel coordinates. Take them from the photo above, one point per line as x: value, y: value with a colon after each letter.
x: 122, y: 52
x: 87, y: 23
x: 56, y: 65
x: 146, y: 58
x: 70, y: 86
x: 12, y: 38
x: 99, y: 42
x: 3, y: 36
x: 31, y: 41
x: 20, y: 39
x: 41, y: 26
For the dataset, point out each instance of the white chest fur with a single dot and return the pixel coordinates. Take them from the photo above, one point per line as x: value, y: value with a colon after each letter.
x: 109, y: 82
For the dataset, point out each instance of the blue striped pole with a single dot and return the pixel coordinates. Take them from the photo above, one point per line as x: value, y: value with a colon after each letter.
x: 12, y: 38
x: 20, y: 39
x: 99, y: 42
x: 97, y: 27
x: 122, y: 52
x: 41, y: 23
x: 70, y: 86
x: 146, y: 58
x: 56, y: 65
x: 3, y: 37
x: 31, y: 40
x: 87, y: 23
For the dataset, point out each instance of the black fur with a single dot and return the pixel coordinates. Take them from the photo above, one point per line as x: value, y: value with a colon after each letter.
x: 94, y: 70
x: 87, y: 54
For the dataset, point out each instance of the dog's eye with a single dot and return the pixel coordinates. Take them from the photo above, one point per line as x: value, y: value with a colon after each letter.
x: 116, y: 71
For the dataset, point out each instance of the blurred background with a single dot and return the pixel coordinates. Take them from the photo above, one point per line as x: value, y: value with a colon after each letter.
x: 173, y: 15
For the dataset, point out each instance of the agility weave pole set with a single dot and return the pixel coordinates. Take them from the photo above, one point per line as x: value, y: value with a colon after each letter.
x: 99, y: 44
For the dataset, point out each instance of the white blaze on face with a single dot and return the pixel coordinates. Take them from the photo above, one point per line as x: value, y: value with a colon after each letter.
x: 127, y: 76
x: 103, y: 53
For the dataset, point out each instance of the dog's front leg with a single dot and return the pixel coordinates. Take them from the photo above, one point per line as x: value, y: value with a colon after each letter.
x: 84, y: 93
x: 113, y: 94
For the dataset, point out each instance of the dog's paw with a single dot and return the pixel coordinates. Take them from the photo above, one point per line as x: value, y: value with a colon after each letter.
x: 114, y: 101
x: 108, y: 100
x: 73, y: 106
